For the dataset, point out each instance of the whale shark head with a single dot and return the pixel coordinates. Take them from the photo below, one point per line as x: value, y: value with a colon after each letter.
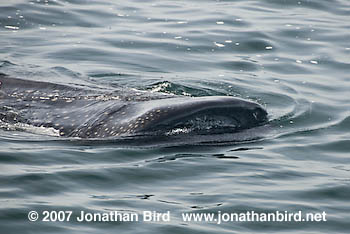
x: 84, y: 113
x: 200, y: 115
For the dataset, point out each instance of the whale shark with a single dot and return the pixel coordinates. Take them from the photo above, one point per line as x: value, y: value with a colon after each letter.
x: 93, y: 112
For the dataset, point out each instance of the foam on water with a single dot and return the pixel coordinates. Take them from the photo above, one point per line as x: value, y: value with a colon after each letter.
x: 22, y: 127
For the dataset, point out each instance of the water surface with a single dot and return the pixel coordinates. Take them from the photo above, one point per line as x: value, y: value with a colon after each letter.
x: 290, y: 56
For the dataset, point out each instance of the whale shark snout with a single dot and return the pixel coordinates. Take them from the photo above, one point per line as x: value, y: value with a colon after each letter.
x: 77, y: 112
x: 203, y: 114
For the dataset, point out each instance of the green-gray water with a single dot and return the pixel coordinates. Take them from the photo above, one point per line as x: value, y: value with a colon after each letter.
x: 292, y: 57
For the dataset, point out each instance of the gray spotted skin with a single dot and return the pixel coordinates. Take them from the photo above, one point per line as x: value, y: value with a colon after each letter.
x: 85, y: 113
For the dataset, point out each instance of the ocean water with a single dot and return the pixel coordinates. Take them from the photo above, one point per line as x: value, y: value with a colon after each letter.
x: 292, y: 57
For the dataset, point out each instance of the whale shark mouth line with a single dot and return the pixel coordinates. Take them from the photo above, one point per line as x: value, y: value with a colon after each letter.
x: 202, y: 122
x: 81, y: 113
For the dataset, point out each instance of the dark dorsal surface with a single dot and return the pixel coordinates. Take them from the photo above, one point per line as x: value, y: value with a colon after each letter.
x: 98, y: 113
